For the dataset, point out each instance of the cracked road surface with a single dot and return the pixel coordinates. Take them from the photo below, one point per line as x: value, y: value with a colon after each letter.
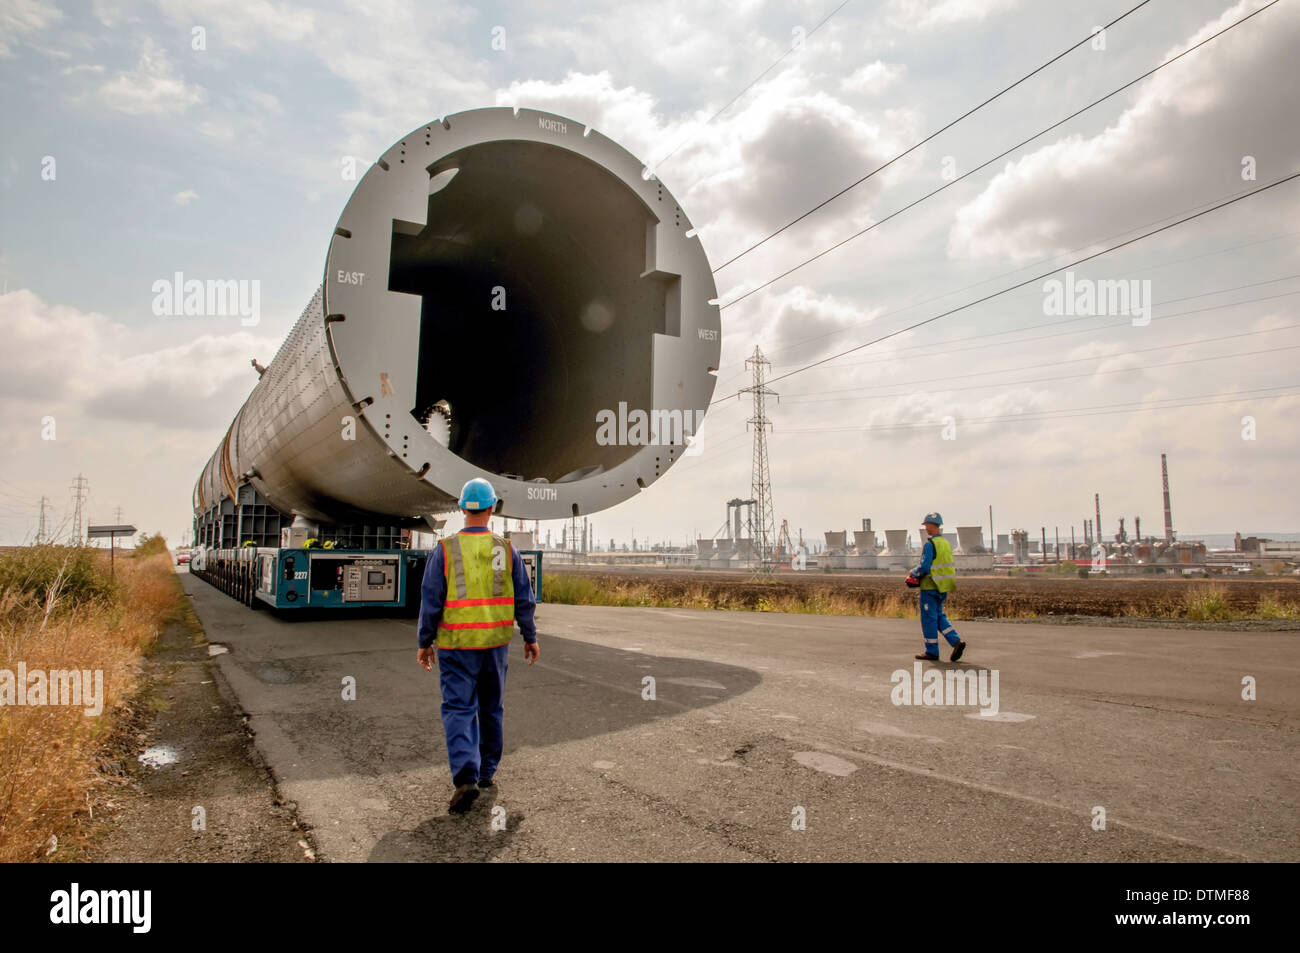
x: 762, y: 722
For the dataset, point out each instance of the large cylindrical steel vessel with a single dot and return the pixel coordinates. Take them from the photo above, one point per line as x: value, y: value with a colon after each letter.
x: 506, y: 291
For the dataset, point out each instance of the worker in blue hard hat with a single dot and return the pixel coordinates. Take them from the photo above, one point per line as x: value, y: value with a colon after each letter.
x: 475, y: 589
x: 936, y: 576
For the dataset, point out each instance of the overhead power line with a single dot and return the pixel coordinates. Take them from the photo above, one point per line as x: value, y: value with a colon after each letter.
x: 912, y: 148
x: 1038, y: 277
x: 818, y: 398
x: 885, y: 356
x: 939, y: 350
x: 989, y: 162
x: 1034, y: 264
x: 1167, y: 403
x: 1095, y: 410
x: 1074, y: 377
x: 1142, y: 272
x: 1058, y: 363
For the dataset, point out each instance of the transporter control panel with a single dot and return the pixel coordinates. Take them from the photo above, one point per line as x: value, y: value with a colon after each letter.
x: 370, y: 580
x: 320, y: 578
x: 333, y: 578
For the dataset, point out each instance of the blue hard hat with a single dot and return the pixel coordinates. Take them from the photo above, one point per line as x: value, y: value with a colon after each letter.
x: 933, y: 518
x: 477, y: 495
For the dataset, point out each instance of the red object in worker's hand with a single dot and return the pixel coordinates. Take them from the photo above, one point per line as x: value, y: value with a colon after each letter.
x: 912, y: 582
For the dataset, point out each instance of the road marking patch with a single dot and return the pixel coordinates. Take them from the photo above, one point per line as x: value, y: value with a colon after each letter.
x: 1003, y: 716
x: 893, y: 731
x: 691, y: 682
x: 827, y: 763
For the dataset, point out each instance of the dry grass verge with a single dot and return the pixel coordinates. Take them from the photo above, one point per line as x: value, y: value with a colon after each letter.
x: 59, y: 612
x: 573, y: 589
x: 887, y: 599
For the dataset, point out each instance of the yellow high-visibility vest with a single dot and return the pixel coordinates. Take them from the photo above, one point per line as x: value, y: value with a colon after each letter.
x: 479, y: 612
x: 943, y: 570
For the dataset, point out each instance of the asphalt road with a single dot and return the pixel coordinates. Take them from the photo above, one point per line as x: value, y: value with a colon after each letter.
x: 760, y: 721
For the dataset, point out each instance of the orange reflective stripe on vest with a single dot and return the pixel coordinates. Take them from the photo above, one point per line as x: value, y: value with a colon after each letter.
x: 480, y: 603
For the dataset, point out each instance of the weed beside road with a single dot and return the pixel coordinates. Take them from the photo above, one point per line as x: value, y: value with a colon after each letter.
x: 60, y: 612
x: 976, y: 597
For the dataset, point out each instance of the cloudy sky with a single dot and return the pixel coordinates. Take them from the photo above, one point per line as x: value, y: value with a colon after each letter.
x: 130, y: 154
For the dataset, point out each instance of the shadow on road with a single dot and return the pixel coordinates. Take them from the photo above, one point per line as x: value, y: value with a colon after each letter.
x: 578, y: 690
x: 451, y: 838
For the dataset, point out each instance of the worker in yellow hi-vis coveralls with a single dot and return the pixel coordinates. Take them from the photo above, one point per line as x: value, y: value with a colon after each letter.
x: 475, y: 589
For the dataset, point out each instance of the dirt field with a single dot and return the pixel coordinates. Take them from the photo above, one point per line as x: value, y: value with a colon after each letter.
x: 976, y: 596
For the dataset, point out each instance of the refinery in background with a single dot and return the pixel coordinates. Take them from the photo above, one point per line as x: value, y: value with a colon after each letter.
x: 1086, y: 551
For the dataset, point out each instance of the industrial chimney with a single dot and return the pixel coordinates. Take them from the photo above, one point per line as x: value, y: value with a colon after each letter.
x: 1169, y: 519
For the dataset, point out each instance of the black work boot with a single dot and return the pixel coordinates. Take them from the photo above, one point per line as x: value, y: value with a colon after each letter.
x: 463, y: 798
x: 956, y: 651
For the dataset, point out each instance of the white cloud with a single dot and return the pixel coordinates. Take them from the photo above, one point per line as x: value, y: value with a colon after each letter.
x: 107, y: 12
x: 20, y: 17
x: 83, y: 364
x: 623, y: 113
x: 800, y: 324
x: 220, y: 130
x: 756, y: 167
x: 138, y: 419
x: 403, y: 66
x: 927, y: 14
x: 244, y: 24
x: 263, y: 101
x: 1180, y: 143
x: 186, y: 197
x: 874, y: 78
x: 152, y: 88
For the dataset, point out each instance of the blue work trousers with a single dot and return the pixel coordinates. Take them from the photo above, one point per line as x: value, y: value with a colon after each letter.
x: 933, y: 621
x: 473, y: 710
